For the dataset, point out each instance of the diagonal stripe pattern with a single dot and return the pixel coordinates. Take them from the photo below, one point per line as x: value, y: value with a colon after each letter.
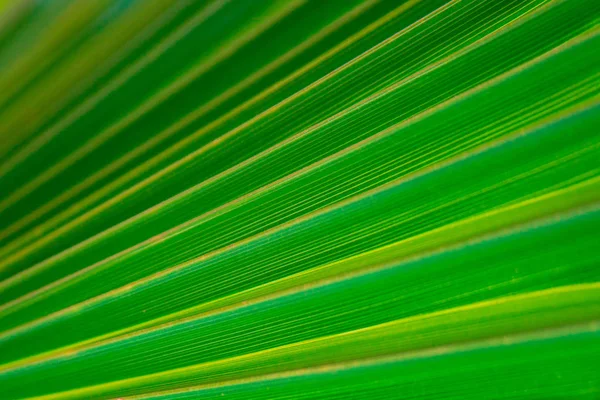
x: 300, y: 199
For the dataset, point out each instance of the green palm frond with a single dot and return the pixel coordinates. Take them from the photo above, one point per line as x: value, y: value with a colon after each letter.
x: 300, y: 199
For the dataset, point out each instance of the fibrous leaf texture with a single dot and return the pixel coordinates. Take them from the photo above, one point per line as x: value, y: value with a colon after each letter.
x: 300, y: 199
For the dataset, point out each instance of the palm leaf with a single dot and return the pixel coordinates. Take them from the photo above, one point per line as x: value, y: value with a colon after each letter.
x: 366, y: 199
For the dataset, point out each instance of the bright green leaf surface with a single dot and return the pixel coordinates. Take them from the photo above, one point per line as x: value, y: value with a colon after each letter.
x: 299, y: 199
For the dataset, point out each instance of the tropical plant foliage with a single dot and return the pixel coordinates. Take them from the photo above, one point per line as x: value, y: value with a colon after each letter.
x: 300, y: 199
